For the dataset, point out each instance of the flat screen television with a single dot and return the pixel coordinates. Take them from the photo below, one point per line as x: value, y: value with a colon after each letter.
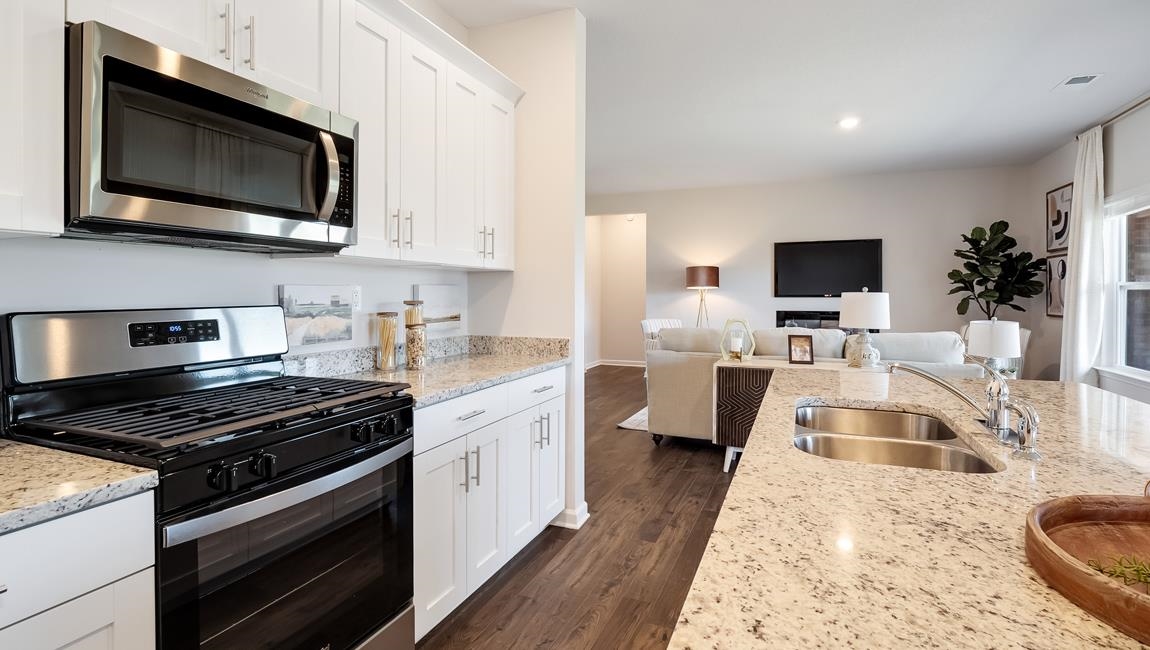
x: 816, y: 269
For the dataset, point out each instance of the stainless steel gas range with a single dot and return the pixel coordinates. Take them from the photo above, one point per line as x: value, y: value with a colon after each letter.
x: 284, y: 504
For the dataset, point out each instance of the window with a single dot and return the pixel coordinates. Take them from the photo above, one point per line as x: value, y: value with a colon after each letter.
x: 1133, y: 335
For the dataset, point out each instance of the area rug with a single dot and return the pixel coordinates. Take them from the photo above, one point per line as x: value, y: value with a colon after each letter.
x: 637, y: 422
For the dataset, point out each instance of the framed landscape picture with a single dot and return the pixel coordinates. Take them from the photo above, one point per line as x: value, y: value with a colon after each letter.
x: 1055, y: 285
x: 1058, y: 218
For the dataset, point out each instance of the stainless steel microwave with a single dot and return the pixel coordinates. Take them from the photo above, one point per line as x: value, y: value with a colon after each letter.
x: 167, y: 149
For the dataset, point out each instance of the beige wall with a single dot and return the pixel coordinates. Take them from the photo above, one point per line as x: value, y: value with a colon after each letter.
x: 618, y: 248
x: 1054, y: 170
x: 593, y: 272
x: 547, y: 56
x: 920, y: 217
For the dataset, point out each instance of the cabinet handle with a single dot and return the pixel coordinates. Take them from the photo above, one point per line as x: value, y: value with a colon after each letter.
x: 491, y: 250
x: 540, y: 423
x: 227, y: 16
x: 251, y: 28
x: 466, y: 472
x: 478, y: 456
x: 474, y: 414
x: 483, y: 243
x: 411, y: 229
x: 397, y: 229
x: 548, y: 418
x: 3, y: 589
x: 542, y: 389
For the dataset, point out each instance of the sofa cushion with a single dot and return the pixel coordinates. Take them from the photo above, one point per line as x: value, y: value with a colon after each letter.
x: 689, y: 339
x: 925, y: 347
x: 773, y: 342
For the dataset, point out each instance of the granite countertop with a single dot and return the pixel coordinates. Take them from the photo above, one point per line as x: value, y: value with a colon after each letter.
x: 39, y: 483
x: 450, y: 377
x: 812, y: 552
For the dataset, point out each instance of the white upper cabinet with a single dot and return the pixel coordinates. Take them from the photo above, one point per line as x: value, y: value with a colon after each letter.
x: 464, y: 234
x: 291, y: 46
x: 499, y: 181
x: 369, y: 93
x: 32, y: 111
x: 196, y: 28
x: 423, y: 90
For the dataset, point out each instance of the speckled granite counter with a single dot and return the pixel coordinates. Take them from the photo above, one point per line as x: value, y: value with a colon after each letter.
x: 812, y: 552
x: 38, y: 483
x: 444, y: 379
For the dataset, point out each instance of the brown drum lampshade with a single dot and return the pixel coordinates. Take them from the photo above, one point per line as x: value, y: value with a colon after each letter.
x: 702, y: 277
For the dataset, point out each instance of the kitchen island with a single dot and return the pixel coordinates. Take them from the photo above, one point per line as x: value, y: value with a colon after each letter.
x: 813, y: 552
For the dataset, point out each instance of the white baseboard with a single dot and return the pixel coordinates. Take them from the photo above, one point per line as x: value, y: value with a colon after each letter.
x: 572, y: 518
x: 622, y: 362
x: 593, y: 364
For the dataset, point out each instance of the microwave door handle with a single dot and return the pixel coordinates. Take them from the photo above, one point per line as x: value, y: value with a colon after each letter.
x: 331, y: 159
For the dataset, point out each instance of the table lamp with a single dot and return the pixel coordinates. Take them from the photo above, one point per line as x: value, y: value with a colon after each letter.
x: 864, y: 310
x: 994, y: 339
x: 701, y: 279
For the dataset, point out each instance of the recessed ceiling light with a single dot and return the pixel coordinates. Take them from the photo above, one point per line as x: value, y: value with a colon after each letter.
x: 848, y: 123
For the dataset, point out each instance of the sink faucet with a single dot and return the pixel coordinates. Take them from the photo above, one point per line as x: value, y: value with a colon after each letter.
x: 996, y: 413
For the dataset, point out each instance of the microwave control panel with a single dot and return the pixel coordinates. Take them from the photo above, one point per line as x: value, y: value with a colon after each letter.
x: 173, y: 332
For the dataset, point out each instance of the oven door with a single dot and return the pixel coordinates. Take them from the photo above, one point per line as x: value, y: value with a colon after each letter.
x: 165, y: 143
x: 322, y: 564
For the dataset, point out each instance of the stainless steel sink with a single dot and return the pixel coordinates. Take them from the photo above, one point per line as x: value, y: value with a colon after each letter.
x: 864, y: 422
x: 886, y: 451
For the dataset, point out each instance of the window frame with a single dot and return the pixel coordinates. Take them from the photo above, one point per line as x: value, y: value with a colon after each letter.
x: 1118, y: 236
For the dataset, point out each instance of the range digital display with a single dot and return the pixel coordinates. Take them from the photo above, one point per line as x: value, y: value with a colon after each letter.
x: 173, y: 332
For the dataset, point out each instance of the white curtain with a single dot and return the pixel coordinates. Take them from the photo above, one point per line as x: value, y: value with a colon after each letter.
x: 1086, y: 310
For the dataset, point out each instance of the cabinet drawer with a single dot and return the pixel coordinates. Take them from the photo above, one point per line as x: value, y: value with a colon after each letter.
x: 446, y: 421
x: 49, y: 563
x: 536, y: 389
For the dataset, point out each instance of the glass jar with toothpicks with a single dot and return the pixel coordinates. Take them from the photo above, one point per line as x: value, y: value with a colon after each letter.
x: 386, y: 330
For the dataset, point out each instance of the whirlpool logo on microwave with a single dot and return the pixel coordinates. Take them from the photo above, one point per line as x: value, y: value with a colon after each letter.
x: 258, y: 92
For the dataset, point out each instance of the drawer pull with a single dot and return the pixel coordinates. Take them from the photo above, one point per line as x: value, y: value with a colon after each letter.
x: 542, y: 389
x: 474, y: 414
x: 3, y: 589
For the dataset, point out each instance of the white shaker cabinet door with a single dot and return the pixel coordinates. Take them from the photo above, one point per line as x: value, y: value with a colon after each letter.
x: 523, y: 445
x: 551, y: 459
x: 423, y: 91
x: 369, y: 94
x: 486, y: 503
x: 463, y: 239
x: 291, y: 46
x: 201, y: 29
x: 120, y: 616
x: 440, y: 519
x: 32, y: 110
x: 499, y: 181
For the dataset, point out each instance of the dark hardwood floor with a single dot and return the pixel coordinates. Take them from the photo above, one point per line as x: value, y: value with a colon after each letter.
x: 620, y: 581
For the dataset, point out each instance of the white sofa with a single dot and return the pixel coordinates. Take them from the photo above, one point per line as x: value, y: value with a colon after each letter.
x: 680, y: 394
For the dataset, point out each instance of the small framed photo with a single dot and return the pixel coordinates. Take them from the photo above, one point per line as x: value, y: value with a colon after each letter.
x: 800, y: 348
x: 1056, y: 285
x: 1058, y: 218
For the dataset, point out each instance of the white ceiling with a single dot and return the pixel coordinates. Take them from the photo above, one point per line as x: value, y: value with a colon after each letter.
x: 695, y: 93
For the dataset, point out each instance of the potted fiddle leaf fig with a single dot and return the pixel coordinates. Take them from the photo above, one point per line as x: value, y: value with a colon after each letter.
x: 993, y: 275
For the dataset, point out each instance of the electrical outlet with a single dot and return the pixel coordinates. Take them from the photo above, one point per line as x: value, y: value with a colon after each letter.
x: 357, y: 299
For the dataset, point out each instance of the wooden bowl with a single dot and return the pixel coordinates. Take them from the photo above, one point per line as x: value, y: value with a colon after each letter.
x: 1062, y: 535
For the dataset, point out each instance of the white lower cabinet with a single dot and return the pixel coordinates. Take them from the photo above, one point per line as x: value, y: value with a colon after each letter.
x: 482, y: 496
x: 120, y: 616
x: 96, y: 594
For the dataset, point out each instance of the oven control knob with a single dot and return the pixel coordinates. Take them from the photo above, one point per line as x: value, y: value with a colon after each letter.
x: 361, y: 432
x: 263, y: 464
x: 223, y: 477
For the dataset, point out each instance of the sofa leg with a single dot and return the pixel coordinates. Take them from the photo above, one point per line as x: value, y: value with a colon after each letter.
x: 656, y: 438
x: 729, y: 457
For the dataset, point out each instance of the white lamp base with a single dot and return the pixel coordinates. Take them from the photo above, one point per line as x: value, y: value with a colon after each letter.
x: 863, y: 354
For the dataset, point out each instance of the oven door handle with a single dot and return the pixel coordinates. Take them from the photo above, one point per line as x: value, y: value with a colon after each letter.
x: 331, y: 159
x: 192, y: 529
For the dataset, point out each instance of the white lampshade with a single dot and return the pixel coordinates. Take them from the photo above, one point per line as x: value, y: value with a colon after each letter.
x: 994, y: 339
x: 865, y: 310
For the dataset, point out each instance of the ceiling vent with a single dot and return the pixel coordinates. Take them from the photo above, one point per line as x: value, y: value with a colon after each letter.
x: 1078, y: 82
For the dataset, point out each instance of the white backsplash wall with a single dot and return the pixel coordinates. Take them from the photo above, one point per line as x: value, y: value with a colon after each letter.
x: 38, y: 274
